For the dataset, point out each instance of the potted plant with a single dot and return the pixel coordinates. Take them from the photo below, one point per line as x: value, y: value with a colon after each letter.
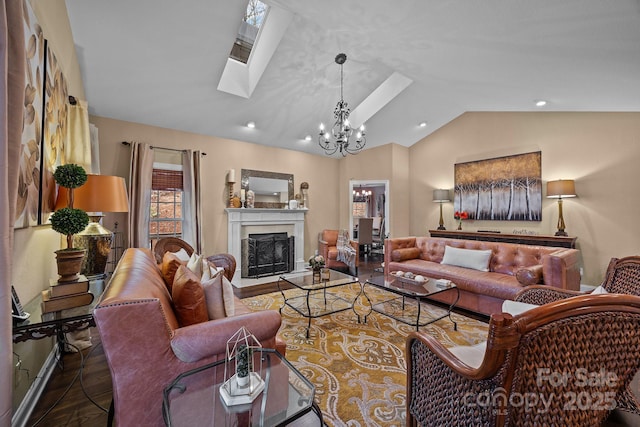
x: 69, y: 221
x: 243, y: 368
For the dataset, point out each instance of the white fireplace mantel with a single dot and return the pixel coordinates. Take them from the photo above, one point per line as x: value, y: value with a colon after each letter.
x: 239, y: 218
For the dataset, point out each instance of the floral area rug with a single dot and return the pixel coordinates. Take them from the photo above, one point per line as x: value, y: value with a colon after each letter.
x: 359, y: 369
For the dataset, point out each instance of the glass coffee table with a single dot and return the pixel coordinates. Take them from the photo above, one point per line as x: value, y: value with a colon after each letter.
x: 312, y: 298
x: 193, y: 398
x: 406, y: 307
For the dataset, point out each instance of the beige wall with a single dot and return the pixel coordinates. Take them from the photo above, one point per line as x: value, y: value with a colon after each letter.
x: 599, y: 150
x: 387, y: 162
x: 222, y: 154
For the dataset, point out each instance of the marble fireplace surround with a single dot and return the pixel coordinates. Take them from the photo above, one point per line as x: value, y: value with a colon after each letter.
x: 243, y: 221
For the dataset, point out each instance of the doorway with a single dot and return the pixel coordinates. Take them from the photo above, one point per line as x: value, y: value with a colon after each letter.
x: 369, y: 198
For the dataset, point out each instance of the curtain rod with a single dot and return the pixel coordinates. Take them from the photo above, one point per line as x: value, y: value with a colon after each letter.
x: 161, y: 148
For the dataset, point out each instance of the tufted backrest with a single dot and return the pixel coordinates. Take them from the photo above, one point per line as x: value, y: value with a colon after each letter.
x: 506, y: 258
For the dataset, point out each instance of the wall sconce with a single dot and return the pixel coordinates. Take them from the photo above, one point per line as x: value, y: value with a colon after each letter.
x: 441, y: 196
x: 101, y: 193
x: 557, y: 190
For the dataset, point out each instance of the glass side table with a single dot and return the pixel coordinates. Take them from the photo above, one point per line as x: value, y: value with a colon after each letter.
x: 193, y: 398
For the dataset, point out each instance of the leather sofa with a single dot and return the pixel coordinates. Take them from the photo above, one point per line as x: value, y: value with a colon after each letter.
x: 145, y: 346
x: 327, y: 247
x: 511, y: 268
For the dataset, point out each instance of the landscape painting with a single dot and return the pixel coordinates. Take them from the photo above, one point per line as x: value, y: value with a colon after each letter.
x: 502, y: 189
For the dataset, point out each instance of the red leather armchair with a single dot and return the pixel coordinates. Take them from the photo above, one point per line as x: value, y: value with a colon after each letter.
x: 327, y: 247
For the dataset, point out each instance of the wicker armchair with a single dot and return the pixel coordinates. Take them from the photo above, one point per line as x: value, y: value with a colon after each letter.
x: 534, y: 369
x: 174, y: 244
x: 622, y: 277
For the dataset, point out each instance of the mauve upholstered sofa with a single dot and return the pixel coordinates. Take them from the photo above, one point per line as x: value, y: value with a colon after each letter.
x: 511, y: 267
x: 145, y: 346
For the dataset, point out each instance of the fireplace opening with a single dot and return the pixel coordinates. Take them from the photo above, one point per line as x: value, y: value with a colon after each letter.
x: 267, y: 254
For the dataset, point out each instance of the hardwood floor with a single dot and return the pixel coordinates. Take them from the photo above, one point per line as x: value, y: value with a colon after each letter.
x: 74, y: 408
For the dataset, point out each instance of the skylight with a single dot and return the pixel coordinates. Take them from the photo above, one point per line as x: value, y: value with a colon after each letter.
x: 253, y: 19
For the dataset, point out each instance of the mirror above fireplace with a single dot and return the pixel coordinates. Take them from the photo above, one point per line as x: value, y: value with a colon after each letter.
x: 272, y: 190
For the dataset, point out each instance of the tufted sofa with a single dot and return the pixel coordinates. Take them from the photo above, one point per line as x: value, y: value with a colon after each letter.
x: 145, y: 346
x: 511, y: 268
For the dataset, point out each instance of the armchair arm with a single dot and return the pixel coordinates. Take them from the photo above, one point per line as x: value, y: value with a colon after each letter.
x: 323, y: 248
x: 541, y: 294
x: 195, y: 342
x: 440, y: 388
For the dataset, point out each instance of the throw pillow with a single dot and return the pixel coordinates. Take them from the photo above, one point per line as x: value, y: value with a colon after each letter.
x: 195, y: 264
x: 228, y: 296
x: 398, y: 255
x: 214, y: 297
x: 515, y: 307
x: 170, y: 264
x: 188, y: 298
x: 530, y: 275
x: 182, y: 254
x: 599, y: 290
x: 468, y: 258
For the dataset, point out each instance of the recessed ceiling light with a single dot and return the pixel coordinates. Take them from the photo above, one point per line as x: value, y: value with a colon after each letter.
x: 251, y: 125
x: 307, y: 138
x: 423, y: 124
x: 541, y: 103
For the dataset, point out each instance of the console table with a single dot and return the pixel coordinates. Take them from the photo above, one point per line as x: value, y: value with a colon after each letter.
x: 523, y: 239
x: 40, y: 325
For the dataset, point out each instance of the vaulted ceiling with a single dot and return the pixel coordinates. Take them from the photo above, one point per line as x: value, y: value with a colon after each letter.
x: 159, y: 62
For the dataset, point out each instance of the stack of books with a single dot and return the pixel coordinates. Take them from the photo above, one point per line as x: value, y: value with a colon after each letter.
x: 64, y: 295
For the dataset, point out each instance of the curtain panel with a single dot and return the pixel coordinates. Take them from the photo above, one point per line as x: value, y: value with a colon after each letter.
x: 12, y: 89
x: 140, y: 178
x: 192, y: 210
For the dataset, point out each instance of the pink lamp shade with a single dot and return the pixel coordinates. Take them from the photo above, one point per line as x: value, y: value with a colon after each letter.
x: 101, y: 193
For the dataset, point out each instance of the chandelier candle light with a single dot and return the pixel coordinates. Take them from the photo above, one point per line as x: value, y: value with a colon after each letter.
x: 342, y: 130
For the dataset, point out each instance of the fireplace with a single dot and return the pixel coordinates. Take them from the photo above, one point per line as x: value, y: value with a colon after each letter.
x: 241, y: 222
x: 267, y: 254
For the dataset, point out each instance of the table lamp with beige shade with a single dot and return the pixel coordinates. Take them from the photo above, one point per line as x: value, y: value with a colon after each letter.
x: 441, y: 196
x: 559, y: 189
x: 101, y: 193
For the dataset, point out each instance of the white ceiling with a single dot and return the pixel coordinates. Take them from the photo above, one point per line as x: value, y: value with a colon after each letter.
x: 159, y: 62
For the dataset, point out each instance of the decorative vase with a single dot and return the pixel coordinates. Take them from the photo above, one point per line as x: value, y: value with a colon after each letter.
x: 69, y: 264
x: 243, y: 366
x: 460, y: 225
x: 316, y: 274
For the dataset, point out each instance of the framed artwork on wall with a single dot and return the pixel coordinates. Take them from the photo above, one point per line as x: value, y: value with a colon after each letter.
x: 27, y: 211
x: 503, y: 188
x: 54, y: 131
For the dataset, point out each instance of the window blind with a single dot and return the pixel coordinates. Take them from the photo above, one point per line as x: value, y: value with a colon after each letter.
x: 164, y: 179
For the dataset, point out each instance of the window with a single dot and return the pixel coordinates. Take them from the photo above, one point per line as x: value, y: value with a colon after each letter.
x: 248, y: 32
x: 165, y: 219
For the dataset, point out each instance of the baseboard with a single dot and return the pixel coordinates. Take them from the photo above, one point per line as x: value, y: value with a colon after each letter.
x: 23, y: 413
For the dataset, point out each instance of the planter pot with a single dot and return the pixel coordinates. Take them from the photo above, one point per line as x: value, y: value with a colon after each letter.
x: 69, y: 264
x: 243, y: 382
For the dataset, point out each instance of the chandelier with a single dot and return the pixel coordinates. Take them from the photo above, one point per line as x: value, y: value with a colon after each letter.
x: 339, y: 138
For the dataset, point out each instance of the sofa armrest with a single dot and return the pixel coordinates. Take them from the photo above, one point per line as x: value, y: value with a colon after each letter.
x: 397, y: 243
x: 196, y: 342
x: 561, y: 269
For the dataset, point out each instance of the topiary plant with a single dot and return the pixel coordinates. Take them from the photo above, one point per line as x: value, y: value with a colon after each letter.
x: 69, y: 221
